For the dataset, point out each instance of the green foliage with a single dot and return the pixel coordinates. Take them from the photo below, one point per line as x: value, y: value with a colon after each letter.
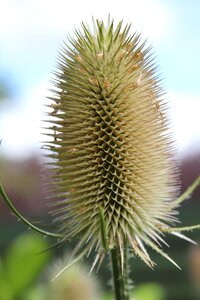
x: 107, y: 296
x: 36, y: 293
x: 22, y: 265
x: 148, y: 291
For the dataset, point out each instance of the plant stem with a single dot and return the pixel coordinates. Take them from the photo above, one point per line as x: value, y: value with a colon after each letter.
x: 120, y: 280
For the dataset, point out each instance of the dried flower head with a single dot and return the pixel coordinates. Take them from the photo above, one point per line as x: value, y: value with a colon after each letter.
x: 74, y: 284
x: 114, y: 170
x: 115, y: 178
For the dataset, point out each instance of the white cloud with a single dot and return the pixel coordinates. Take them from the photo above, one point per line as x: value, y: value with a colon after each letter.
x: 185, y: 120
x: 31, y: 30
x: 21, y: 126
x: 59, y: 17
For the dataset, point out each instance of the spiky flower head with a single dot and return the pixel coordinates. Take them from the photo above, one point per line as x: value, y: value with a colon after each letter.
x: 113, y: 156
x: 74, y: 284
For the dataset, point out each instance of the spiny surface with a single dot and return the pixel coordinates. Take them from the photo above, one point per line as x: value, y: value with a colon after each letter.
x: 111, y: 146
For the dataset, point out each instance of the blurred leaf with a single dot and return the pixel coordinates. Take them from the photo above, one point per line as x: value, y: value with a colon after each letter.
x: 36, y: 293
x: 1, y: 267
x: 23, y: 262
x: 149, y: 291
x: 107, y: 296
x: 5, y: 290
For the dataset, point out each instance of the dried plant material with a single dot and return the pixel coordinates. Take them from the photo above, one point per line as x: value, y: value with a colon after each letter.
x: 113, y: 154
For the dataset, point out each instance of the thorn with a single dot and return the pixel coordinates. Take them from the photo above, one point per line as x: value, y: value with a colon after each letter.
x: 94, y: 264
x: 182, y: 236
x: 70, y: 264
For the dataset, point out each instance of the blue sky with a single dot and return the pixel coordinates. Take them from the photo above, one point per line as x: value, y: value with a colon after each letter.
x: 31, y: 32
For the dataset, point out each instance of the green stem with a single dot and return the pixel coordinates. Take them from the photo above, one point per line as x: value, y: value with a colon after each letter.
x: 19, y: 215
x: 120, y: 280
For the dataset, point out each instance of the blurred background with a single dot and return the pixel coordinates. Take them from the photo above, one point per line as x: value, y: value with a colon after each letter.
x: 31, y: 32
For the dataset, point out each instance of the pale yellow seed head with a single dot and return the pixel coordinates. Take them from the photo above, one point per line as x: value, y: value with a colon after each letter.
x: 112, y: 147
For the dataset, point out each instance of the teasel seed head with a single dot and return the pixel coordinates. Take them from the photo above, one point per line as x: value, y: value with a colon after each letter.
x: 115, y: 178
x: 74, y: 284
